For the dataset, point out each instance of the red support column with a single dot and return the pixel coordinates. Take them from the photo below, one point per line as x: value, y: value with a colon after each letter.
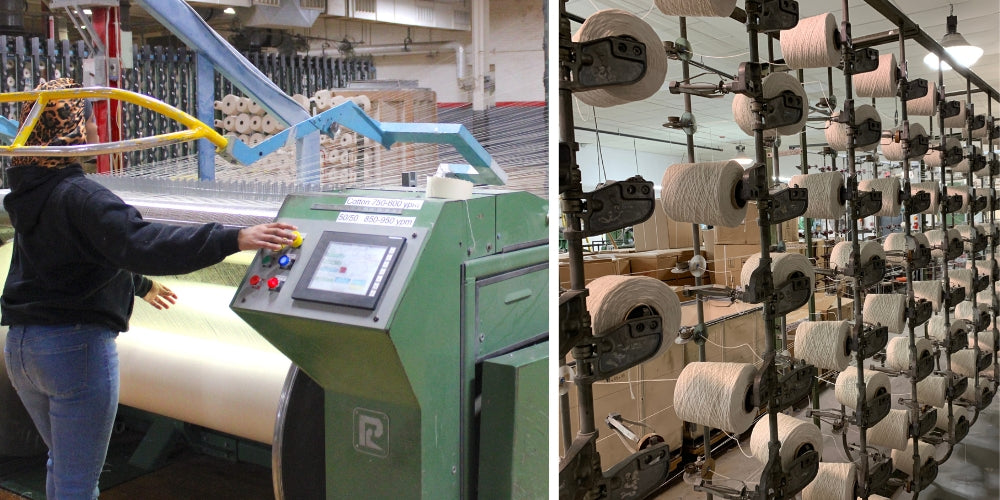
x: 108, y: 112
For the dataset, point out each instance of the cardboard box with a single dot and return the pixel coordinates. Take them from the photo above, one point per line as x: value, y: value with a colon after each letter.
x: 660, y: 232
x: 749, y: 231
x: 729, y: 263
x: 655, y: 263
x: 595, y: 266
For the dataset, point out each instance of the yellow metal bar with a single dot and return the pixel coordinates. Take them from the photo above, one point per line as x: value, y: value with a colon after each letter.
x: 197, y: 129
x: 99, y: 149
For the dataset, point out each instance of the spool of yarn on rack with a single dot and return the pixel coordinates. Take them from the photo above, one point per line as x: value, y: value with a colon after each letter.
x: 613, y: 299
x: 931, y: 390
x: 840, y: 256
x: 971, y: 394
x: 846, y: 389
x: 897, y: 352
x: 696, y: 8
x: 893, y: 151
x: 836, y: 132
x: 773, y: 84
x: 879, y: 83
x: 929, y: 290
x: 703, y: 193
x: 617, y: 22
x: 963, y: 278
x: 718, y: 395
x: 833, y: 481
x: 892, y: 431
x: 958, y: 414
x: 903, y: 459
x: 964, y: 363
x: 926, y: 105
x: 797, y: 437
x: 936, y: 330
x: 824, y: 194
x: 783, y: 266
x: 933, y: 156
x: 939, y: 239
x: 957, y: 121
x: 812, y: 43
x: 890, y: 189
x: 886, y: 309
x: 931, y: 187
x: 825, y: 344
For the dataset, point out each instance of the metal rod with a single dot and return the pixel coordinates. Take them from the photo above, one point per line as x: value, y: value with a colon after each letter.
x: 632, y: 136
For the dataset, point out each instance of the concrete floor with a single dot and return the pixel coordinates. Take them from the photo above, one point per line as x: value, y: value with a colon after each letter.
x: 971, y: 473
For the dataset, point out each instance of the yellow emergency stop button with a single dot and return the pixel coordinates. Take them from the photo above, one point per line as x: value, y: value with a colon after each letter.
x: 297, y: 242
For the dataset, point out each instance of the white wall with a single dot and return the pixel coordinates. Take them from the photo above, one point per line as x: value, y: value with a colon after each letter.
x: 514, y: 43
x: 620, y: 164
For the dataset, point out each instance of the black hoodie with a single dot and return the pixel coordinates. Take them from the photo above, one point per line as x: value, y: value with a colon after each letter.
x: 78, y: 246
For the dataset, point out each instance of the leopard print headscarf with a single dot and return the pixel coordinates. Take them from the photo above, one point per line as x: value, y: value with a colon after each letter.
x: 61, y: 124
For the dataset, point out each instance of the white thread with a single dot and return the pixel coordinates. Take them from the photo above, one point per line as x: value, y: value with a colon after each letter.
x: 929, y: 290
x: 879, y: 83
x: 926, y: 105
x: 897, y: 352
x: 933, y: 156
x: 931, y: 390
x: 255, y: 108
x: 970, y: 393
x: 241, y: 104
x: 696, y: 8
x: 887, y: 309
x: 824, y: 194
x: 833, y: 481
x: 891, y: 431
x: 616, y: 22
x: 964, y: 363
x: 921, y: 239
x: 748, y: 346
x: 812, y: 43
x: 964, y: 279
x: 903, y: 459
x: 931, y: 187
x: 840, y: 256
x: 846, y: 389
x: 985, y: 340
x: 957, y: 121
x: 825, y: 344
x: 942, y: 417
x: 716, y: 394
x: 783, y: 265
x: 796, y: 437
x: 893, y: 151
x: 938, y: 238
x: 773, y: 84
x: 836, y: 132
x: 890, y: 189
x: 703, y: 193
x: 612, y: 298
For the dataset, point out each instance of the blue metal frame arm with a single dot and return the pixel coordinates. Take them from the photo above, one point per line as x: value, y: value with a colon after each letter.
x: 8, y: 130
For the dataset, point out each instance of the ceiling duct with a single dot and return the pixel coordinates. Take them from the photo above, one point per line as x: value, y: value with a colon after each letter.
x: 283, y: 14
x: 425, y: 13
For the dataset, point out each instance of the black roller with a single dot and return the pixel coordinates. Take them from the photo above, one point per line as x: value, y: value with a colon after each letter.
x: 298, y: 456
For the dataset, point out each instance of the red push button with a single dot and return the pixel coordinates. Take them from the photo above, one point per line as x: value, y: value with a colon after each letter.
x: 255, y: 281
x: 273, y: 283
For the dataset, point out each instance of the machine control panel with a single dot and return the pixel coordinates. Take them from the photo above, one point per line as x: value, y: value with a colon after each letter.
x: 348, y: 269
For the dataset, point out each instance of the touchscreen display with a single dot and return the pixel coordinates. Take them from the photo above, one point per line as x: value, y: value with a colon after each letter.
x: 348, y: 268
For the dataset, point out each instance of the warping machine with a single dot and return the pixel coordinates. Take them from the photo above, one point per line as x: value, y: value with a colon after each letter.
x: 406, y: 335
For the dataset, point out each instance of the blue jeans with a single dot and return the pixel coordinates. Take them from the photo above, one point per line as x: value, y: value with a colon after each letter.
x: 67, y: 377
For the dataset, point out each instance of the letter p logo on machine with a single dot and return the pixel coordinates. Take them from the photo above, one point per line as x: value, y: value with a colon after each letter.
x: 371, y: 432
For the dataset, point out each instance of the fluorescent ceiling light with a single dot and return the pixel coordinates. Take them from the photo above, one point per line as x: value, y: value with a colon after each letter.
x: 229, y: 10
x: 88, y: 12
x: 964, y: 53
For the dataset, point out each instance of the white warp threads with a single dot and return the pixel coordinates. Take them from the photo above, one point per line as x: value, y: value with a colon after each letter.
x: 931, y: 187
x: 703, y: 193
x: 612, y: 298
x: 846, y: 388
x: 616, y: 22
x: 929, y: 290
x: 893, y: 151
x: 825, y: 344
x: 824, y: 194
x: 796, y: 436
x: 957, y: 121
x: 890, y: 188
x: 812, y: 43
x: 879, y: 83
x: 774, y: 84
x: 783, y: 265
x: 894, y: 242
x: 931, y: 390
x: 696, y: 8
x: 836, y: 132
x: 833, y: 481
x: 717, y: 395
x: 958, y: 414
x: 897, y: 352
x: 840, y: 256
x: 926, y: 105
x: 886, y: 309
x: 903, y: 459
x: 891, y: 431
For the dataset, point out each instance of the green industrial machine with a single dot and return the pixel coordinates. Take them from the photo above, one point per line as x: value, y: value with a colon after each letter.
x: 424, y: 323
